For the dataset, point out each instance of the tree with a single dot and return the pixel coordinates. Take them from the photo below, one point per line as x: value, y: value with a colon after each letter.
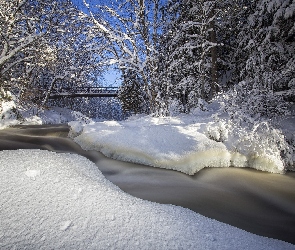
x: 25, y: 26
x: 132, y: 94
x: 267, y: 44
x: 232, y: 20
x: 131, y: 29
x: 23, y: 32
x: 189, y: 48
x: 45, y: 45
x: 270, y: 46
x: 78, y: 58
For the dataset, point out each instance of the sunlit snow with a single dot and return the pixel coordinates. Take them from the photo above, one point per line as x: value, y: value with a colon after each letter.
x: 186, y: 143
x: 10, y: 115
x: 62, y: 201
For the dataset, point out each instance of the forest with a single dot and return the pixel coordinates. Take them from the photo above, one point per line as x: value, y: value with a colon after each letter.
x: 173, y: 55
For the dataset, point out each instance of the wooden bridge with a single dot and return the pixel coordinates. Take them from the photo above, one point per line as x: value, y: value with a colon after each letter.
x: 84, y: 92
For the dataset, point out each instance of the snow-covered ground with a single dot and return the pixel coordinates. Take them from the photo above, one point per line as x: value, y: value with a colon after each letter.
x: 62, y: 201
x: 186, y: 143
x: 10, y: 115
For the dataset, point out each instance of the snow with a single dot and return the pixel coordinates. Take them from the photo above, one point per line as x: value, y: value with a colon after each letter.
x: 7, y: 116
x: 62, y: 201
x: 32, y: 173
x: 186, y: 143
x: 155, y: 142
x: 13, y: 114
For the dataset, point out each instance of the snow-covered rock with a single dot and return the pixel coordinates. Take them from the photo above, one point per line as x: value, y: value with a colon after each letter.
x: 186, y: 143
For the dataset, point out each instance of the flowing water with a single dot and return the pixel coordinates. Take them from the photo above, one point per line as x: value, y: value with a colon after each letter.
x: 258, y: 202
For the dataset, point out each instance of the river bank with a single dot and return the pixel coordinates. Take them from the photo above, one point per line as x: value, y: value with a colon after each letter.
x: 258, y: 202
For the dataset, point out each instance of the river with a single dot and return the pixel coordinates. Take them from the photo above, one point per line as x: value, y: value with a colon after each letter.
x: 258, y: 202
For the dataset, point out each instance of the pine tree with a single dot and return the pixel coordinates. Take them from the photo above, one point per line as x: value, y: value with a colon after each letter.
x: 132, y: 94
x: 269, y: 42
x: 190, y: 53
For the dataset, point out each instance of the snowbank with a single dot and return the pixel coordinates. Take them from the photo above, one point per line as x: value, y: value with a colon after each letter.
x: 186, y: 143
x: 11, y: 115
x: 8, y: 114
x: 62, y: 201
x: 180, y: 148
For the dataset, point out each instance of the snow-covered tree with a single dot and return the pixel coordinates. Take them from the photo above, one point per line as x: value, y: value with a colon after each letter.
x: 189, y: 51
x: 77, y: 55
x: 212, y: 45
x: 25, y: 26
x: 131, y: 29
x: 231, y: 20
x: 18, y: 34
x: 45, y: 45
x: 265, y: 59
x: 132, y: 94
x: 269, y: 40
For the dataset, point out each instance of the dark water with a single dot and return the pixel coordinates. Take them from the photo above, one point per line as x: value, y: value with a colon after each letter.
x: 258, y: 202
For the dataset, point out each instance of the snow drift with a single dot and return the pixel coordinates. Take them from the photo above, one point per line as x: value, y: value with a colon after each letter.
x: 62, y: 201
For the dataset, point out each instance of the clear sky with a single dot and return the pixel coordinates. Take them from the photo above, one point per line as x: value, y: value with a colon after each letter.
x: 112, y: 78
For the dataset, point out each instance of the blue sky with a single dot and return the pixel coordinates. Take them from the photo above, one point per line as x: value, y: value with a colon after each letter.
x: 112, y: 78
x: 81, y: 5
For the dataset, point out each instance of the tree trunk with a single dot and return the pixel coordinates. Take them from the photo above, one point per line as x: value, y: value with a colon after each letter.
x: 49, y: 92
x: 213, y: 40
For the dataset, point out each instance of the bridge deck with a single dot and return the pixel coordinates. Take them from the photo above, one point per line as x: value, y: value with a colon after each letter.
x: 84, y: 92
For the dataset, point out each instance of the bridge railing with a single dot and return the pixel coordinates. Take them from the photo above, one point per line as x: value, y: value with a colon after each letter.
x: 88, y: 91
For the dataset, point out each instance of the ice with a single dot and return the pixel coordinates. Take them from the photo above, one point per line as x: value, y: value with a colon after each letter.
x: 186, y: 143
x: 181, y: 148
x: 76, y: 128
x: 44, y: 214
x: 8, y: 115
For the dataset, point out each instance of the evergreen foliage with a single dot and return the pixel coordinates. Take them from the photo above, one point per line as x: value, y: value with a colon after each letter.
x: 211, y: 46
x: 189, y: 53
x: 132, y: 94
x: 269, y: 42
x: 262, y: 84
